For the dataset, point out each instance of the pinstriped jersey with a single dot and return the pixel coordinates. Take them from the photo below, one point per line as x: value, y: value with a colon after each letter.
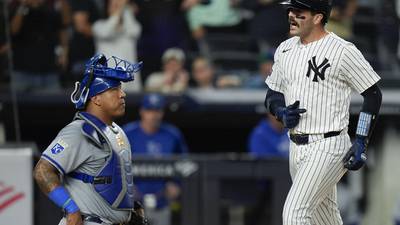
x: 321, y: 75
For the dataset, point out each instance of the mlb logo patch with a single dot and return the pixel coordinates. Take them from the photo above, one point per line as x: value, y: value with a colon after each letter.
x: 59, y: 147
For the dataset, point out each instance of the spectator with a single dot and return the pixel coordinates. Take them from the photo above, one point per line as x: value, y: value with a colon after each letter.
x: 205, y: 77
x: 265, y: 62
x: 219, y: 15
x: 387, y: 33
x: 173, y: 79
x: 164, y: 26
x: 340, y: 21
x: 231, y: 80
x: 81, y: 43
x: 269, y: 25
x: 152, y: 136
x: 117, y: 34
x: 269, y: 139
x: 36, y: 29
x: 203, y: 74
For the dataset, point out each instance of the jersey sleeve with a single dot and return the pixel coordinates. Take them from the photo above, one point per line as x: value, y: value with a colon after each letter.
x: 356, y: 69
x: 275, y: 80
x: 68, y: 150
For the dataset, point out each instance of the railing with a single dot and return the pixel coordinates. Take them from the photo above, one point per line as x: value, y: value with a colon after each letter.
x: 202, y: 176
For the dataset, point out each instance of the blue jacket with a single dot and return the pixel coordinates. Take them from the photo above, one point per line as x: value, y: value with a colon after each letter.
x: 167, y: 141
x: 265, y: 141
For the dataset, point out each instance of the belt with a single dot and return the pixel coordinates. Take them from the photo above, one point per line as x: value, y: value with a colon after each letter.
x: 303, y: 139
x: 94, y: 219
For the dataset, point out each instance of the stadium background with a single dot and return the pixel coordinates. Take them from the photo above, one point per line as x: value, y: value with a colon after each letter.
x: 217, y: 124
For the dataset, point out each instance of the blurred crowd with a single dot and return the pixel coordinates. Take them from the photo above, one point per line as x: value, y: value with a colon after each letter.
x: 205, y: 44
x: 185, y: 44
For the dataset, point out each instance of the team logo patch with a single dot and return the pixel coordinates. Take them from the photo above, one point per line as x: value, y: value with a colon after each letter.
x: 319, y: 70
x: 59, y: 147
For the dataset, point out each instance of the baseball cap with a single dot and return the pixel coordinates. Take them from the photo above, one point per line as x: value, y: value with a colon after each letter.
x: 173, y: 53
x: 153, y: 101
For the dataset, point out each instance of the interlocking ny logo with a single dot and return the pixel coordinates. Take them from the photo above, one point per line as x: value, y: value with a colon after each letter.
x: 319, y: 71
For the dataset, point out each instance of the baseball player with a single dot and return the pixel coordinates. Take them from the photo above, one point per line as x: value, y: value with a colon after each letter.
x: 152, y: 136
x: 309, y: 90
x: 86, y: 170
x: 269, y: 139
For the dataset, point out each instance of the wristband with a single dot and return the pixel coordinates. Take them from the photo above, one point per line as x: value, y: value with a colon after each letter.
x: 61, y: 197
x: 364, y: 124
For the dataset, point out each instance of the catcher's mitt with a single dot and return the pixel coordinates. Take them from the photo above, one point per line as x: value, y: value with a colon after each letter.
x: 137, y: 216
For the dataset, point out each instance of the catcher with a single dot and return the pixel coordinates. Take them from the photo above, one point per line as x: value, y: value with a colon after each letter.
x: 86, y: 170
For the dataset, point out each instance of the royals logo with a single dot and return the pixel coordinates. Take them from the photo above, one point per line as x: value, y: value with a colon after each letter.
x: 319, y: 70
x: 59, y: 147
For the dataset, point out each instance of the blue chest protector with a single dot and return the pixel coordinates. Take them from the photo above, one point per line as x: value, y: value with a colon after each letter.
x: 114, y: 181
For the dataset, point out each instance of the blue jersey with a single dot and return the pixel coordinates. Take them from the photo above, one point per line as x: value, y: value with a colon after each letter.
x: 167, y: 141
x: 266, y: 141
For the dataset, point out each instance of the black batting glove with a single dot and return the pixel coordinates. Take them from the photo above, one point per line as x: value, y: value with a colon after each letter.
x: 356, y: 156
x: 290, y: 115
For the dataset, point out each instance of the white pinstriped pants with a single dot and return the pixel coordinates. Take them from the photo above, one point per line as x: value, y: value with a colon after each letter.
x: 315, y: 169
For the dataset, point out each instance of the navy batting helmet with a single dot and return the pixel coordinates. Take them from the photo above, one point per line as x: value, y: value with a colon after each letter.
x: 100, y: 75
x: 319, y: 6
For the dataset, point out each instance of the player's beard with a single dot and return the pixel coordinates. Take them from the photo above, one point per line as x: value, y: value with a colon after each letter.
x: 294, y: 28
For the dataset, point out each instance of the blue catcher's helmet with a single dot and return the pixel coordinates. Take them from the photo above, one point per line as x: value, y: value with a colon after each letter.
x: 100, y: 75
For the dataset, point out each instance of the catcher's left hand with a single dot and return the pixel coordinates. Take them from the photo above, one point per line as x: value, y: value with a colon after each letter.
x: 137, y: 216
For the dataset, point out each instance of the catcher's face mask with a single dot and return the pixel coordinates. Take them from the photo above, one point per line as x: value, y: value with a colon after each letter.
x: 100, y: 75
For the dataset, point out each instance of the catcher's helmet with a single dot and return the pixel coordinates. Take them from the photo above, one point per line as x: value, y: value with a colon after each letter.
x: 100, y: 75
x: 320, y: 6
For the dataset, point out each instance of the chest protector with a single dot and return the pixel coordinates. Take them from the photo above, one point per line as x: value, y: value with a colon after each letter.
x: 114, y: 180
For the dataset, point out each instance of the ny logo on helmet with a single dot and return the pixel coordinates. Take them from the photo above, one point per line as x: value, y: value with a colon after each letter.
x: 319, y: 71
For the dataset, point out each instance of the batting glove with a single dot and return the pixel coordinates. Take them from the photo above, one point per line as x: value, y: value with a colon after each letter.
x: 356, y: 156
x: 290, y: 115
